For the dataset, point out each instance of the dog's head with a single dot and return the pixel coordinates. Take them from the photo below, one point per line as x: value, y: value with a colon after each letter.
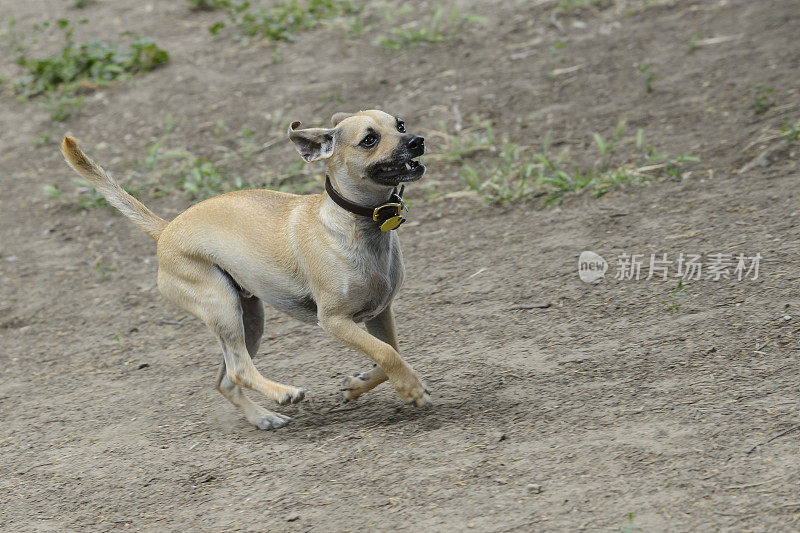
x: 370, y: 145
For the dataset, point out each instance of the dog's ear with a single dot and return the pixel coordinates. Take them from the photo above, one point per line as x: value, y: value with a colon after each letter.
x: 312, y: 144
x: 338, y: 117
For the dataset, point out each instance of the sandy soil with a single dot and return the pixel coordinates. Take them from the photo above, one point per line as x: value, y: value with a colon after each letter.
x: 589, y: 405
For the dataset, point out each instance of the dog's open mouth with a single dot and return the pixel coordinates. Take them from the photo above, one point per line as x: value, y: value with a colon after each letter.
x: 397, y: 172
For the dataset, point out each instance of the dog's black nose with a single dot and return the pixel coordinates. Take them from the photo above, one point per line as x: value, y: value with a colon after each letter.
x: 416, y: 142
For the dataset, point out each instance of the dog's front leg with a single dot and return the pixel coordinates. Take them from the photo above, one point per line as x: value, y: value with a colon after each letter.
x: 382, y: 327
x: 402, y: 376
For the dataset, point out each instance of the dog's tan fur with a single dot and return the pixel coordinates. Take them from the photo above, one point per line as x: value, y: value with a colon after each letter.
x: 304, y: 255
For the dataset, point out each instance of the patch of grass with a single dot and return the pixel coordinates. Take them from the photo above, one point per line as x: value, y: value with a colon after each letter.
x: 75, y: 67
x: 357, y: 27
x: 284, y: 19
x: 52, y: 191
x: 761, y: 98
x: 480, y: 136
x: 673, y: 304
x: 89, y: 63
x: 103, y: 270
x: 152, y: 155
x: 219, y: 129
x: 507, y: 178
x: 607, y: 147
x: 297, y: 179
x: 555, y: 57
x: 646, y: 166
x: 202, y: 178
x: 437, y: 29
x: 556, y: 177
x: 207, y: 5
x: 518, y: 174
x: 648, y: 77
x: 43, y: 138
x: 573, y: 5
x: 791, y: 131
x: 88, y: 197
x: 12, y: 40
x: 629, y: 526
x: 61, y: 106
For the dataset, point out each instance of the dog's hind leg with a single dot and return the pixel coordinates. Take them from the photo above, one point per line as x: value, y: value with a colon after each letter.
x: 255, y: 414
x: 382, y: 327
x: 253, y: 322
x: 204, y: 290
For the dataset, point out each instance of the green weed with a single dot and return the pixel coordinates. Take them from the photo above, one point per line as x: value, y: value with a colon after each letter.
x: 203, y: 179
x: 284, y: 19
x: 648, y: 77
x: 93, y: 62
x: 52, y: 191
x: 88, y: 197
x: 629, y: 527
x: 607, y: 147
x: 517, y: 173
x: 673, y: 304
x: 439, y: 28
x: 791, y: 131
x: 207, y: 5
x: 61, y: 106
x: 297, y: 179
x: 43, y: 138
x: 12, y: 40
x: 103, y: 270
x: 555, y: 57
x: 357, y: 27
x: 556, y: 177
x: 509, y: 177
x: 480, y: 136
x: 605, y: 176
x: 572, y: 5
x: 761, y: 98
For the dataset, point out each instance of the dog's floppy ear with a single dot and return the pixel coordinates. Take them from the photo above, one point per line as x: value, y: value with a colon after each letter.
x: 338, y: 117
x: 312, y: 144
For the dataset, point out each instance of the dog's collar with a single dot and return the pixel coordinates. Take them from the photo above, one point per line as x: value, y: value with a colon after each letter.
x: 388, y: 215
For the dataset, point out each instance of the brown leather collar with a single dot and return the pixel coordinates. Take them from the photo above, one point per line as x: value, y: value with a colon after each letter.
x: 387, y: 215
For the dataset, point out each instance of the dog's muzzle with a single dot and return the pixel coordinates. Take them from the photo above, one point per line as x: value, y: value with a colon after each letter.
x: 400, y: 167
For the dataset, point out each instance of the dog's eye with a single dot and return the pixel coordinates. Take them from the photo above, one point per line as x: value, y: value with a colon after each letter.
x: 369, y: 141
x: 401, y: 126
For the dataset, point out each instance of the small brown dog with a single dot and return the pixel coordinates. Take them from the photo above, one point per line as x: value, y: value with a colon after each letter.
x: 329, y: 258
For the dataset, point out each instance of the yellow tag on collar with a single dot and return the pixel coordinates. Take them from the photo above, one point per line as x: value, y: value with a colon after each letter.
x: 392, y: 223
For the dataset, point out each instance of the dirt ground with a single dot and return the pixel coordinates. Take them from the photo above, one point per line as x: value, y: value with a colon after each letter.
x: 632, y: 405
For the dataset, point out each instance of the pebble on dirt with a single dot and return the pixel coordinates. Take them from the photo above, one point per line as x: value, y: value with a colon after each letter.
x: 533, y: 488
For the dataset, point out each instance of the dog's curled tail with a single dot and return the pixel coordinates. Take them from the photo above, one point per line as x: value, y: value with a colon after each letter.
x: 132, y: 208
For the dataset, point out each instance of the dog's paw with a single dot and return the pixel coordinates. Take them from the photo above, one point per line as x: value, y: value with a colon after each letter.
x: 354, y: 386
x: 271, y: 421
x: 293, y: 396
x: 414, y: 394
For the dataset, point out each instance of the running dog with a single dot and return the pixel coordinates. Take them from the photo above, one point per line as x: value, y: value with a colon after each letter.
x: 333, y: 259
